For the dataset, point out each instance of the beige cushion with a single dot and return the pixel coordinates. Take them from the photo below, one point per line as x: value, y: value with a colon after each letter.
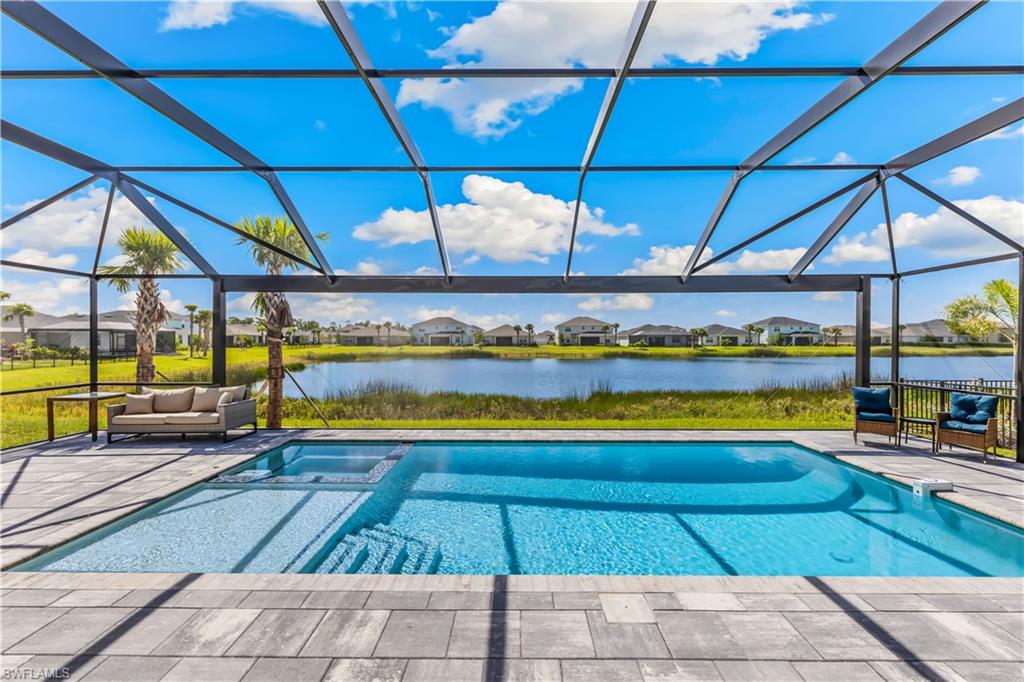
x: 139, y: 419
x: 205, y: 399
x: 236, y: 392
x: 139, y: 404
x: 175, y: 400
x: 187, y: 418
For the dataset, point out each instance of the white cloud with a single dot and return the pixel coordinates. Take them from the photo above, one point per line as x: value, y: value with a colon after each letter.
x: 670, y: 260
x: 327, y: 308
x: 189, y: 14
x: 617, y: 302
x: 569, y: 34
x: 38, y: 257
x: 427, y: 270
x: 800, y: 160
x: 364, y: 267
x: 827, y: 296
x: 553, y: 318
x: 1006, y: 133
x: 723, y: 312
x: 840, y: 159
x: 75, y: 220
x: 961, y: 175
x: 504, y: 221
x: 320, y: 125
x: 942, y: 233
x: 57, y: 296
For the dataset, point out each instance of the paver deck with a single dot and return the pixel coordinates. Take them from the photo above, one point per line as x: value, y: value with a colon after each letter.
x: 120, y: 626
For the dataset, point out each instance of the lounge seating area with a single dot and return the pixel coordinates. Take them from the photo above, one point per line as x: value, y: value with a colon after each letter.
x: 189, y: 410
x: 970, y: 422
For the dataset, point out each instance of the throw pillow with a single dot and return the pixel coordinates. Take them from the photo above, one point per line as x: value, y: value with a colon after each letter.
x: 139, y: 404
x: 872, y: 400
x: 236, y: 392
x: 177, y: 400
x: 205, y: 399
x: 962, y: 406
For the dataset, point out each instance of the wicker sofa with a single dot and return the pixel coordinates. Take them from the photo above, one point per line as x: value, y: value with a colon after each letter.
x: 969, y: 423
x: 186, y: 411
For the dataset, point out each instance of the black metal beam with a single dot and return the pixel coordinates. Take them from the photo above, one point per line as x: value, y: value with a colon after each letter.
x: 47, y: 202
x: 862, y: 335
x: 1018, y: 366
x: 959, y: 264
x: 634, y: 35
x: 980, y: 224
x: 910, y: 42
x: 825, y: 238
x: 353, y: 45
x: 888, y: 228
x: 65, y: 37
x: 894, y: 339
x: 785, y: 221
x: 111, y: 193
x: 42, y: 268
x: 219, y: 335
x: 554, y: 168
x: 489, y: 72
x: 94, y: 337
x: 612, y: 284
x: 1005, y: 115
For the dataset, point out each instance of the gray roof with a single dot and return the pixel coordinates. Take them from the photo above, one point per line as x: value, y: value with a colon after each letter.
x: 782, y: 320
x: 243, y: 330
x: 31, y: 321
x: 114, y: 320
x: 657, y: 330
x: 722, y: 330
x: 444, y: 321
x: 503, y: 330
x: 361, y: 330
x: 583, y: 320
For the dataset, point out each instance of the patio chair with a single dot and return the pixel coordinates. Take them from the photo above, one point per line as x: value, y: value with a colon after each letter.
x: 874, y: 413
x: 971, y: 422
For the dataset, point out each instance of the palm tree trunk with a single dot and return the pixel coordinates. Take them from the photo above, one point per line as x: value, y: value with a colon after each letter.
x: 149, y: 315
x: 278, y: 317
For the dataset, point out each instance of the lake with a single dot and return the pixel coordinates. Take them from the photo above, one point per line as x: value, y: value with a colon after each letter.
x: 549, y: 377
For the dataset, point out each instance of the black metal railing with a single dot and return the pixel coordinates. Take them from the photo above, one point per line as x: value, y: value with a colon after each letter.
x: 924, y: 397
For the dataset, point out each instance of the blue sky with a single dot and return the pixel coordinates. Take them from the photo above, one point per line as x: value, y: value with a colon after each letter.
x: 504, y: 223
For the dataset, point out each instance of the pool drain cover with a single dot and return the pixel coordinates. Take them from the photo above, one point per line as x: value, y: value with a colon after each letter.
x: 841, y: 557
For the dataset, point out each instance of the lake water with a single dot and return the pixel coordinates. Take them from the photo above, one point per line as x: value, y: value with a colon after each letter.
x: 547, y: 377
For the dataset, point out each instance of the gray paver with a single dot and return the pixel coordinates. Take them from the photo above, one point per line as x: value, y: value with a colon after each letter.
x: 287, y: 669
x: 452, y: 601
x: 831, y: 671
x: 20, y: 622
x: 897, y: 602
x: 961, y: 602
x: 149, y: 627
x: 772, y: 602
x: 522, y: 670
x: 988, y: 672
x: 625, y: 640
x: 757, y: 671
x: 556, y: 634
x: 768, y: 636
x: 131, y: 669
x: 444, y: 670
x: 30, y: 597
x: 709, y: 601
x: 90, y: 598
x: 679, y: 671
x: 698, y: 634
x: 606, y: 671
x: 485, y: 634
x: 392, y: 600
x: 277, y: 632
x: 209, y: 670
x: 662, y: 601
x: 416, y: 634
x: 526, y: 601
x: 346, y: 633
x: 62, y: 667
x: 366, y: 670
x: 208, y: 632
x: 916, y: 671
x: 273, y: 599
x: 626, y: 608
x: 577, y: 601
x: 837, y: 636
x: 950, y: 636
x: 1013, y: 623
x: 331, y: 599
x: 71, y: 632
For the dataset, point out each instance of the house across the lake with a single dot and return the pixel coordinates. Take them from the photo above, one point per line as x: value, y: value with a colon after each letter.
x: 722, y: 335
x: 245, y: 335
x: 585, y: 331
x: 365, y: 335
x: 506, y: 335
x: 789, y: 331
x: 544, y: 338
x: 117, y: 337
x: 658, y: 335
x: 443, y: 331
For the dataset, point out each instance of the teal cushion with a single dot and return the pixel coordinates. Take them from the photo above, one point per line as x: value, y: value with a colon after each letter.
x: 987, y: 406
x: 872, y: 400
x: 962, y: 405
x: 955, y: 425
x: 876, y: 417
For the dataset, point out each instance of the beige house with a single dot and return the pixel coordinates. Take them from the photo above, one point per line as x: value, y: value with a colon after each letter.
x: 585, y: 331
x: 443, y: 331
x: 363, y: 335
x: 506, y: 335
x: 721, y: 335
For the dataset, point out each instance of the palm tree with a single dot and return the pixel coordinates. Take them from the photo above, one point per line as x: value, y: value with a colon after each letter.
x: 834, y: 332
x: 757, y: 332
x: 204, y: 319
x: 146, y: 252
x: 191, y: 308
x: 272, y: 306
x: 4, y: 295
x: 750, y: 326
x: 517, y: 329
x: 529, y: 333
x: 615, y: 326
x: 20, y: 311
x: 604, y: 332
x: 387, y: 325
x: 697, y: 335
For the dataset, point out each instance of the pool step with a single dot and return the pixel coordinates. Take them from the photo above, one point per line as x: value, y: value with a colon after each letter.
x: 381, y: 550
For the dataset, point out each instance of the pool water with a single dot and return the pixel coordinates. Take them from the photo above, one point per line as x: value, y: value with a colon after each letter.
x: 562, y: 508
x: 308, y: 458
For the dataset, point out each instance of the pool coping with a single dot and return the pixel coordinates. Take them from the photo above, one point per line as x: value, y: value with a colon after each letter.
x: 861, y: 459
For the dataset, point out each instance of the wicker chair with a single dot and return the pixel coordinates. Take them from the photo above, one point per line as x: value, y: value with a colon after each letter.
x: 974, y: 440
x: 887, y: 419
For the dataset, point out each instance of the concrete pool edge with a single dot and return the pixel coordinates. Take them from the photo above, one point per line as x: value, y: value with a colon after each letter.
x: 863, y: 457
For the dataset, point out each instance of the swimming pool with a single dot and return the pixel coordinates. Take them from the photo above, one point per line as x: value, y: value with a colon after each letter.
x: 550, y: 508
